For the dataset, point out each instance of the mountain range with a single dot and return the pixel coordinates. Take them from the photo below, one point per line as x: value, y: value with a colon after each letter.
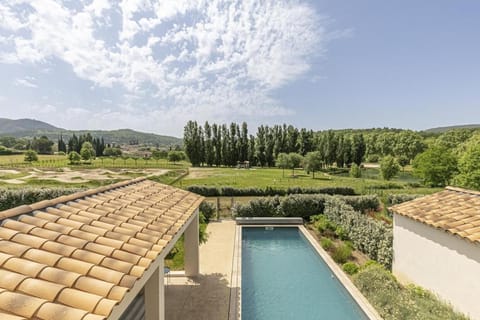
x: 29, y: 128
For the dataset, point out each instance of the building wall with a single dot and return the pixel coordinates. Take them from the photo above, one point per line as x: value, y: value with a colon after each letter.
x: 438, y: 261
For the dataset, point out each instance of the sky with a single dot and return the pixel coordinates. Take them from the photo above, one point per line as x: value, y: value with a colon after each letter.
x: 153, y: 65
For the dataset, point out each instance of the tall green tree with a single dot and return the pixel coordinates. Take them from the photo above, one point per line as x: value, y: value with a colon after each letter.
x: 217, y: 144
x: 192, y: 143
x: 436, y: 166
x: 469, y: 167
x: 209, y: 148
x: 358, y: 148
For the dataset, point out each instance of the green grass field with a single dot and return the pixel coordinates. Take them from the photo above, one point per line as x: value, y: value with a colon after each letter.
x: 273, y: 177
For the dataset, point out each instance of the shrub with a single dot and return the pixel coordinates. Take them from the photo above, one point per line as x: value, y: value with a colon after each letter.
x: 322, y: 224
x: 355, y: 171
x: 400, y: 198
x: 208, y: 210
x: 326, y: 244
x: 363, y: 203
x: 30, y: 156
x: 350, y: 268
x: 394, y: 302
x: 228, y: 191
x: 342, y: 253
x: 341, y: 233
x: 13, y: 198
x: 204, y: 191
x: 371, y: 237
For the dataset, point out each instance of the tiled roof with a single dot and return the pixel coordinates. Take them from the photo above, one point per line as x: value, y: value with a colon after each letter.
x: 75, y: 257
x: 454, y: 210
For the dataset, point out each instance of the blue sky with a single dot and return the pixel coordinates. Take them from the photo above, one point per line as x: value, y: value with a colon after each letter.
x: 151, y: 66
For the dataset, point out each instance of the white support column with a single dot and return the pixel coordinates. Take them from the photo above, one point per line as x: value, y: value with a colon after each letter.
x: 191, y: 247
x: 155, y: 295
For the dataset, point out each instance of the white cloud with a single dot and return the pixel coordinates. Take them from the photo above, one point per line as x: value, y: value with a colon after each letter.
x: 184, y: 58
x: 25, y: 82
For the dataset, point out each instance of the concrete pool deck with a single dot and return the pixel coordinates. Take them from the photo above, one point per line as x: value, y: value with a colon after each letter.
x: 208, y: 295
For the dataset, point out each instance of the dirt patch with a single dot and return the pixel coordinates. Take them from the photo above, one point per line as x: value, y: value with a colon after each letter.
x: 195, y: 173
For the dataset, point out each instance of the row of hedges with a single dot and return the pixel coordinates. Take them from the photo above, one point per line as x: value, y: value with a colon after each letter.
x: 299, y: 205
x: 10, y: 198
x: 370, y: 236
x: 226, y: 191
x: 394, y: 199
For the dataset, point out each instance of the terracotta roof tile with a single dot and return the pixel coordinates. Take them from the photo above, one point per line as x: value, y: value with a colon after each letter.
x: 75, y: 257
x: 454, y: 210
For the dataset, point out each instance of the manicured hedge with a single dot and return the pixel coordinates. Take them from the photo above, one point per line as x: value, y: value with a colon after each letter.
x: 227, y: 191
x: 363, y: 203
x: 370, y: 236
x: 10, y: 198
x: 394, y: 199
x: 299, y: 205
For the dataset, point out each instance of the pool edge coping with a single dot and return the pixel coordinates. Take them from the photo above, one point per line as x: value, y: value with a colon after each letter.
x: 354, y: 292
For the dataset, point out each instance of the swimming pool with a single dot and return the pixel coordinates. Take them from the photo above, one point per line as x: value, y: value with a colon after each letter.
x: 283, y: 277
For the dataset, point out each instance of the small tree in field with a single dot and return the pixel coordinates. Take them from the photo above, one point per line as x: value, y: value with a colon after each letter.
x: 87, y: 152
x: 31, y: 156
x: 295, y: 161
x: 389, y: 167
x: 283, y: 162
x: 355, y: 171
x: 74, y: 157
x: 175, y: 156
x: 313, y: 162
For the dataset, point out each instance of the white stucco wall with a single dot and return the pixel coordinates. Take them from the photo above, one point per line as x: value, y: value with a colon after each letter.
x: 436, y: 260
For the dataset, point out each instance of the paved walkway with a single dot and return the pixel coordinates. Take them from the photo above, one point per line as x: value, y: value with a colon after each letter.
x: 207, y: 296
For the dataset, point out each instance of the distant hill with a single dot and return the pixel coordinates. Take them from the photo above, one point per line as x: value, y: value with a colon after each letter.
x: 27, y: 128
x: 443, y: 129
x: 12, y: 126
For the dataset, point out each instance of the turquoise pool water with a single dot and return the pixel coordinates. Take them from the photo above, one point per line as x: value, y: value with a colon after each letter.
x: 283, y: 277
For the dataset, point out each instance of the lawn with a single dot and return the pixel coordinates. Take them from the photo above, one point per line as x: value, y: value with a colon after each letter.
x: 277, y: 178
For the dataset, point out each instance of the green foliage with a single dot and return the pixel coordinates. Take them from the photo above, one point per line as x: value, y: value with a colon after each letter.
x: 341, y: 253
x: 394, y: 302
x: 299, y: 205
x: 355, y: 171
x: 350, y: 268
x: 10, y: 198
x: 394, y: 199
x: 322, y: 224
x: 175, y: 156
x: 389, y: 167
x: 42, y: 145
x: 341, y: 233
x: 112, y: 152
x: 30, y: 156
x: 363, y: 203
x: 469, y: 167
x: 313, y: 162
x: 228, y: 191
x: 371, y: 237
x: 326, y: 244
x: 208, y: 210
x: 87, y: 152
x: 436, y: 166
x: 74, y: 157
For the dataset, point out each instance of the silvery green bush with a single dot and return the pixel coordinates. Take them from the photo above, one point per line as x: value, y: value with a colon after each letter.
x: 10, y: 198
